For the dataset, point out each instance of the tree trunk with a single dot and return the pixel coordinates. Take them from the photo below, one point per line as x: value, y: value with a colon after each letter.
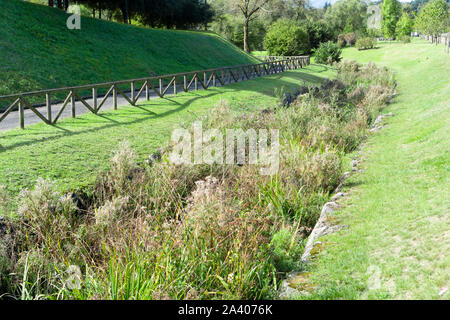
x: 100, y: 13
x: 59, y: 4
x: 93, y: 13
x: 51, y: 3
x: 66, y: 5
x: 246, y: 46
x: 124, y: 15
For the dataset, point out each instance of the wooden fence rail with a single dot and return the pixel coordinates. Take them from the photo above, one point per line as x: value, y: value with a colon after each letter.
x: 275, y: 58
x: 161, y: 85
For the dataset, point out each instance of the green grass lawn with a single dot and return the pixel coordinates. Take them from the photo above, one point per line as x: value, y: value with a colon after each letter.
x: 397, y: 242
x: 74, y: 151
x: 37, y: 51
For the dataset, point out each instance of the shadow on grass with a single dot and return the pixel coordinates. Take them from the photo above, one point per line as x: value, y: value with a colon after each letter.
x: 113, y: 123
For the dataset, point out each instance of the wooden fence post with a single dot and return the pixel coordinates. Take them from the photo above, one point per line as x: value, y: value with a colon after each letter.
x: 132, y: 91
x: 147, y: 92
x: 21, y: 114
x: 72, y: 103
x: 174, y: 85
x: 49, y: 107
x: 94, y: 99
x: 115, y: 97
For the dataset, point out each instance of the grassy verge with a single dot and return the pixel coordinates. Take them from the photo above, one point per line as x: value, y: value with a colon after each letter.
x: 72, y: 152
x: 397, y: 243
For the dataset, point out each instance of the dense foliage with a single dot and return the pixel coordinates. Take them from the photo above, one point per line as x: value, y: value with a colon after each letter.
x: 433, y: 19
x: 328, y: 53
x: 404, y: 25
x: 365, y: 43
x: 285, y: 37
x: 390, y: 13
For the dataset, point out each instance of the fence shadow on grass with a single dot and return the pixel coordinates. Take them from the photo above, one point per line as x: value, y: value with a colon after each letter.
x: 146, y: 113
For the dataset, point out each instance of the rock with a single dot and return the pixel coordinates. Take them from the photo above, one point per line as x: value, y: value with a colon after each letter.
x: 337, y: 196
x: 154, y: 157
x: 78, y: 201
x: 320, y: 229
x: 287, y: 100
x: 376, y: 128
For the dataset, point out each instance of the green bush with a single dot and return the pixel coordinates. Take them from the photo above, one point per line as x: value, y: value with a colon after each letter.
x: 286, y: 250
x: 318, y: 32
x: 365, y: 43
x: 286, y: 37
x: 405, y: 39
x: 328, y: 52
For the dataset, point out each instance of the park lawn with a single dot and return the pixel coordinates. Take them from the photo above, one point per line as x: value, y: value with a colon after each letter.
x: 397, y: 242
x: 37, y: 51
x: 74, y: 151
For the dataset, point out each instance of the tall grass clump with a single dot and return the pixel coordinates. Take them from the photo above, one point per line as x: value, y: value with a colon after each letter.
x: 167, y: 231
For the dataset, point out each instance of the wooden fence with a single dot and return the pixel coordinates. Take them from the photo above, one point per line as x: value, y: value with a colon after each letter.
x: 276, y: 58
x: 161, y: 85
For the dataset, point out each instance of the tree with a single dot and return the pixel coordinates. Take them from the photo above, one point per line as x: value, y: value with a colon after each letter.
x: 318, y: 31
x: 350, y: 15
x: 390, y: 13
x: 433, y: 19
x: 286, y: 37
x: 249, y: 10
x: 404, y: 25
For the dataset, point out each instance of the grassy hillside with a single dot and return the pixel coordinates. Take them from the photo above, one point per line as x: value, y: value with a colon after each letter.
x: 397, y: 241
x: 37, y: 51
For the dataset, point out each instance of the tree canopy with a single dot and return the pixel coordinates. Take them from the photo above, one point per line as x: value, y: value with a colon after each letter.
x: 433, y: 19
x: 390, y: 13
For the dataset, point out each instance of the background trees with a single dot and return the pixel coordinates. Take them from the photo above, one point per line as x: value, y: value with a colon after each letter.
x: 249, y: 10
x: 433, y: 19
x: 390, y: 13
x: 182, y: 14
x: 404, y: 25
x: 347, y: 16
x: 286, y: 37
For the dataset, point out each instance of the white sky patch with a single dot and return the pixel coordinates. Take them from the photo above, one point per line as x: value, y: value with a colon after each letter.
x: 321, y: 3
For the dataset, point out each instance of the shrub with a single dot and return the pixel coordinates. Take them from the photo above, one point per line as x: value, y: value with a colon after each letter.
x: 286, y: 37
x: 365, y: 43
x: 285, y: 249
x: 350, y: 38
x: 327, y: 53
x: 406, y: 39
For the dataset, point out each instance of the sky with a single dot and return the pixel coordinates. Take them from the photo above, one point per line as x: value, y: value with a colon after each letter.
x: 321, y: 3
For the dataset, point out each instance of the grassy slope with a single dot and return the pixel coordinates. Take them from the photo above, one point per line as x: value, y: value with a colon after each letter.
x: 397, y: 211
x: 75, y: 150
x: 37, y: 51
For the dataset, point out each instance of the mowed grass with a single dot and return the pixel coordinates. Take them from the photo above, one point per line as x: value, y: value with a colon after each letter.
x: 37, y: 51
x: 397, y: 242
x: 73, y: 152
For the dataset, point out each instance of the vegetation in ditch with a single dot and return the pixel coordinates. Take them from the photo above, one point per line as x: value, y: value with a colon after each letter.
x: 193, y: 232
